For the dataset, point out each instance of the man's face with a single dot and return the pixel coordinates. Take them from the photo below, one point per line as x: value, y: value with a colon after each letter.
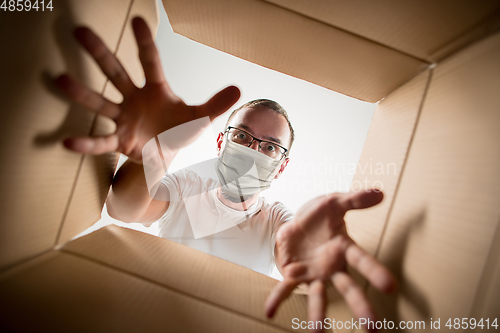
x: 263, y: 124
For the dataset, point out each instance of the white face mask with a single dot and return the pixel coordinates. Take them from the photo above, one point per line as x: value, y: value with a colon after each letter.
x: 243, y: 171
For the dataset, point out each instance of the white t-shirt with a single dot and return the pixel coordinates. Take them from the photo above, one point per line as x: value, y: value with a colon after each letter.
x: 197, y: 218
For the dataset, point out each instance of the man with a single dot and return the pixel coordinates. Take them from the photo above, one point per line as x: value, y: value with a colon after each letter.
x: 222, y: 214
x: 313, y: 247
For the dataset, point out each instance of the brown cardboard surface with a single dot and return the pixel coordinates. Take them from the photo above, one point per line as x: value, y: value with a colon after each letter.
x: 294, y: 44
x: 487, y: 302
x: 96, y: 172
x: 37, y: 173
x: 446, y: 212
x: 187, y: 271
x: 60, y: 292
x: 383, y: 158
x: 425, y: 29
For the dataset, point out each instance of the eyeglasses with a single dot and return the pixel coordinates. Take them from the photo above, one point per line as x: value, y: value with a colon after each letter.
x: 244, y: 138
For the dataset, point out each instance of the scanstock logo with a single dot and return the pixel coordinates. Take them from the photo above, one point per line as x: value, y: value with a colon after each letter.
x: 196, y: 185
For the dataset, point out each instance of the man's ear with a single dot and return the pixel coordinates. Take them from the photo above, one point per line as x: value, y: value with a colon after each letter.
x: 220, y: 138
x: 282, y: 168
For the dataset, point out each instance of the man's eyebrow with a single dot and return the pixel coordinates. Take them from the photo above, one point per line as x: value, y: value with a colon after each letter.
x: 269, y: 138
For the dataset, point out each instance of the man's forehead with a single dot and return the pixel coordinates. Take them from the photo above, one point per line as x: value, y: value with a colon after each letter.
x: 264, y: 123
x: 247, y: 114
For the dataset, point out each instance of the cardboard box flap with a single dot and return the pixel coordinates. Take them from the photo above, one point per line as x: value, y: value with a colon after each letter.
x: 61, y: 292
x: 37, y: 173
x: 186, y: 271
x: 298, y: 46
x: 441, y: 230
x: 422, y: 29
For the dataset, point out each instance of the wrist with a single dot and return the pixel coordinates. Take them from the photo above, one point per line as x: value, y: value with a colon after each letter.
x: 157, y: 155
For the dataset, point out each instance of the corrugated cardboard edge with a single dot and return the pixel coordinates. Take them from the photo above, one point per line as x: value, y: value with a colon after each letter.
x: 481, y: 23
x: 165, y: 264
x: 361, y: 68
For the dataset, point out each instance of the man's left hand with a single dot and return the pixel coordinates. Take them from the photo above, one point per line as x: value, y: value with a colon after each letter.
x: 314, y: 248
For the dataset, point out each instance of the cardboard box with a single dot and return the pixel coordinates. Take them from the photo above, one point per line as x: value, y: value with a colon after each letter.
x: 433, y: 67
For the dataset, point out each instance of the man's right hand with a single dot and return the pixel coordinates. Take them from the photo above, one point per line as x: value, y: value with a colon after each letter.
x: 144, y: 112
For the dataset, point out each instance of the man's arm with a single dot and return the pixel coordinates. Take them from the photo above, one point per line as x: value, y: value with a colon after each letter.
x: 129, y: 199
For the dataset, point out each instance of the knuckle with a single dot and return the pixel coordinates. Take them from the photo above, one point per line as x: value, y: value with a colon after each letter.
x: 329, y: 269
x: 330, y: 207
x: 294, y: 270
x: 326, y: 270
x: 115, y: 73
x: 344, y: 242
x: 336, y: 248
x: 80, y: 95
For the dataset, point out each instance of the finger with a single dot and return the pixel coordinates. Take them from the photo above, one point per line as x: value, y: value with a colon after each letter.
x: 376, y: 273
x: 93, y: 145
x: 353, y: 295
x: 316, y: 302
x: 148, y: 53
x: 280, y: 292
x: 358, y: 200
x: 82, y: 95
x: 106, y: 60
x: 220, y: 102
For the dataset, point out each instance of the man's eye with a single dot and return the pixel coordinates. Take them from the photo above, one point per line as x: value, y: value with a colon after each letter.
x: 270, y: 148
x: 241, y: 136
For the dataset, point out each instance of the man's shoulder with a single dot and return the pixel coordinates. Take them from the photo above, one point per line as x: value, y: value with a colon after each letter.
x: 187, y: 175
x: 190, y: 178
x: 277, y: 210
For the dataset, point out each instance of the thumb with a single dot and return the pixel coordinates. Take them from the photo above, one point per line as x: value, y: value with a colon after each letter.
x: 220, y: 102
x: 360, y: 200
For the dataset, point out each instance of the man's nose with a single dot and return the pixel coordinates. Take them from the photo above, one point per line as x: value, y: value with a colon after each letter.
x: 255, y: 145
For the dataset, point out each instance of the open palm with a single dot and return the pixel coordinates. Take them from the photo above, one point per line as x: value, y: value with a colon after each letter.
x: 314, y: 248
x: 145, y: 112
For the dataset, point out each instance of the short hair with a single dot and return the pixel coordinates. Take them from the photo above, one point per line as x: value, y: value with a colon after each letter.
x: 271, y: 105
